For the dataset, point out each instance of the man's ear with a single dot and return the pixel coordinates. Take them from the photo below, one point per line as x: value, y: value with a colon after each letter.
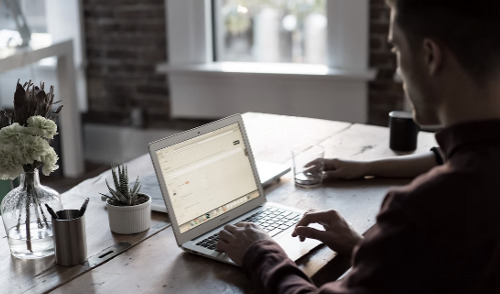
x: 433, y: 56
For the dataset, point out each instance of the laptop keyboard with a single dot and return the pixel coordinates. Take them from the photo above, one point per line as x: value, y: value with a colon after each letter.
x: 272, y: 219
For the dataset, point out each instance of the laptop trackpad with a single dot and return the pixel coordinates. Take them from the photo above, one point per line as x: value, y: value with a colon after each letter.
x: 293, y: 247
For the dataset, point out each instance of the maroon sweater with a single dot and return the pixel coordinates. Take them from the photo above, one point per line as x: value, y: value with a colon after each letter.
x: 439, y: 234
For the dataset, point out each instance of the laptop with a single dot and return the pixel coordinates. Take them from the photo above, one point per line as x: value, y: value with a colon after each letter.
x: 208, y: 178
x: 269, y: 173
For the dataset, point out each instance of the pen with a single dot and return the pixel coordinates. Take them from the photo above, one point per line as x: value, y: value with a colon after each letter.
x: 84, y: 206
x: 51, y: 211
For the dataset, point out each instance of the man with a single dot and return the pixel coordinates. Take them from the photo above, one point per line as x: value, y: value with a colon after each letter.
x: 440, y: 233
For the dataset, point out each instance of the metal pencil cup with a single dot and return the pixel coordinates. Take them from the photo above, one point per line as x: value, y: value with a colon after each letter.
x: 69, y: 237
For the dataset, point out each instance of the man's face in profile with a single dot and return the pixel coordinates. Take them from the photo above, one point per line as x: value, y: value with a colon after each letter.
x: 412, y: 68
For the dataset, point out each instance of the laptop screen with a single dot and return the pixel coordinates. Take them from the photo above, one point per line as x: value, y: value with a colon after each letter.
x: 207, y: 176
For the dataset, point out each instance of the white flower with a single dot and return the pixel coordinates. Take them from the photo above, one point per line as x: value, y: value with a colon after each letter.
x: 40, y: 126
x: 49, y: 162
x: 10, y: 133
x: 24, y: 144
x: 21, y: 146
x: 9, y: 165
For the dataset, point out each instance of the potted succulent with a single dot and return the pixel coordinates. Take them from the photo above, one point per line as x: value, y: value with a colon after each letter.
x: 129, y: 211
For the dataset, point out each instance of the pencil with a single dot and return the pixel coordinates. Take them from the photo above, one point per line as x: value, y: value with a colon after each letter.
x: 84, y: 206
x: 51, y: 211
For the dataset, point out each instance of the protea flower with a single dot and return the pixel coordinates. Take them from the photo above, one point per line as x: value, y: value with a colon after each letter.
x: 30, y: 100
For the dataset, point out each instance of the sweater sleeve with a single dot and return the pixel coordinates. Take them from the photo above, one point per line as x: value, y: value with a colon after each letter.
x: 271, y: 271
x: 389, y: 260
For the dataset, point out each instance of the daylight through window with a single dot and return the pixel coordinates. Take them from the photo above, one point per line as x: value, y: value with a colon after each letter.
x: 291, y: 31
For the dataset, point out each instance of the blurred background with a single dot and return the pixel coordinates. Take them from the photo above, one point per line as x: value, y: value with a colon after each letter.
x: 138, y: 63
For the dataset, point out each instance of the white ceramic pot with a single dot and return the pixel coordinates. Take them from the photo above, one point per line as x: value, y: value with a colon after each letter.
x: 129, y: 219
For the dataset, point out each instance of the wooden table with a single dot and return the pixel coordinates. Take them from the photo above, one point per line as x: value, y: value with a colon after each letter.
x: 154, y: 264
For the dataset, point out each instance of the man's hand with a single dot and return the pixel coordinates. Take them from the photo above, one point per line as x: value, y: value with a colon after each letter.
x: 338, y: 234
x: 236, y: 239
x: 340, y: 169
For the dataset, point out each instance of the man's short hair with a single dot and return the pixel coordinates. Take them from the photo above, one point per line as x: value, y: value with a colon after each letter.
x: 470, y: 29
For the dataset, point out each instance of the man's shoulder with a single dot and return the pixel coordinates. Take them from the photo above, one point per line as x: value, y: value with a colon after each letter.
x: 421, y: 189
x: 443, y: 194
x: 439, y: 183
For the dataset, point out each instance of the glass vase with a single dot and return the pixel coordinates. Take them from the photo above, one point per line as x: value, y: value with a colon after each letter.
x: 27, y: 222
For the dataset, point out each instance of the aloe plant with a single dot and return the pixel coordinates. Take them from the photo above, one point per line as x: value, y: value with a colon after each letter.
x: 122, y: 194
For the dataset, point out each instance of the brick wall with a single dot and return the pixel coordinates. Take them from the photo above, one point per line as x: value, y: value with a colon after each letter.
x: 125, y: 39
x: 384, y: 93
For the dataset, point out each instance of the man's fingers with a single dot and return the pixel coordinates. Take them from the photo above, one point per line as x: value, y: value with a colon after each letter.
x: 308, y: 232
x: 226, y: 236
x: 320, y: 217
x: 221, y: 245
x: 307, y: 218
x: 242, y: 224
x: 314, y: 162
x: 232, y: 228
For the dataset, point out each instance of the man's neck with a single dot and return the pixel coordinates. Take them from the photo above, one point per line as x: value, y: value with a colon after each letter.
x: 470, y: 101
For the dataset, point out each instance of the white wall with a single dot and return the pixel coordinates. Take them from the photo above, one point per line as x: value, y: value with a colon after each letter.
x: 65, y: 21
x: 219, y: 95
x: 9, y: 79
x: 111, y: 144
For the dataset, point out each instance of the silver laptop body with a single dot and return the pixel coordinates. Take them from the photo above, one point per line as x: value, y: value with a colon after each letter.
x: 208, y: 178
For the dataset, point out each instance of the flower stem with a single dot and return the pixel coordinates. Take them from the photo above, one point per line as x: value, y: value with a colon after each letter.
x: 29, y: 186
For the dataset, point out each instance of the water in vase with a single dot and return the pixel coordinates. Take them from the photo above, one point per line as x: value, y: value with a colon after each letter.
x: 41, y: 243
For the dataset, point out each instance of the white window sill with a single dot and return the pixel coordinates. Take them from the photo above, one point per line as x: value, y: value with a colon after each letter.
x: 214, y: 90
x: 269, y: 69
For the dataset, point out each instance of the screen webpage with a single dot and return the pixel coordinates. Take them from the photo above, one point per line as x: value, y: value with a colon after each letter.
x: 207, y: 176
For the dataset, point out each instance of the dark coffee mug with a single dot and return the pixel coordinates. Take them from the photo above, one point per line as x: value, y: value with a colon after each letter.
x: 403, y: 131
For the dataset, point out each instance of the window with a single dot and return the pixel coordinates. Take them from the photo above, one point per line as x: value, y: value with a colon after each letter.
x: 19, y: 20
x: 207, y: 83
x: 291, y: 31
x: 190, y: 29
x: 48, y: 22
